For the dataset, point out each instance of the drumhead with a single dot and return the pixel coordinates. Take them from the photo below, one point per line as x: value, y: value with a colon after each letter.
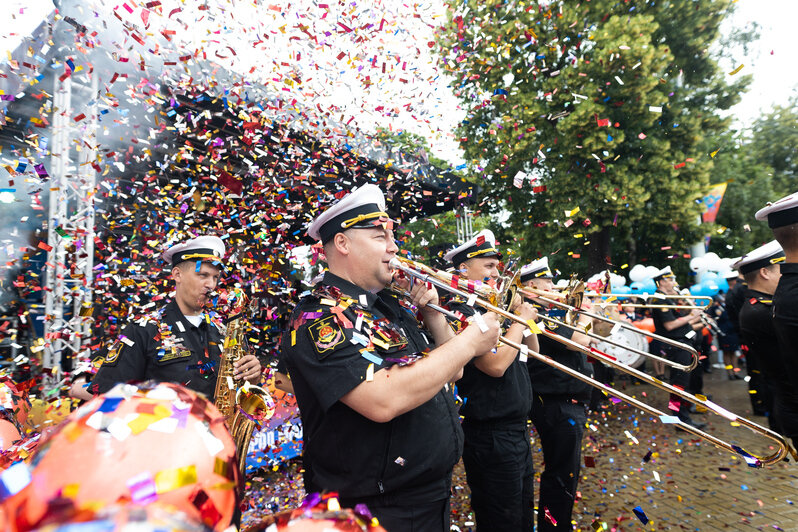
x: 629, y: 338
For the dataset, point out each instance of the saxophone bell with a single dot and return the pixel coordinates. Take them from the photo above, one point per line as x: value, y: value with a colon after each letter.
x: 243, y: 405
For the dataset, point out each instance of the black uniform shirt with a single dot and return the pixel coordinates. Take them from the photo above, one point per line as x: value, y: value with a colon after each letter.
x: 485, y: 398
x: 758, y: 334
x: 164, y: 346
x: 734, y: 302
x: 548, y: 381
x: 785, y: 313
x: 662, y: 316
x: 335, y: 335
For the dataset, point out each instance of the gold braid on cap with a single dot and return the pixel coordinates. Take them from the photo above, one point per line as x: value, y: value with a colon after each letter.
x: 480, y: 252
x: 201, y: 256
x: 346, y: 224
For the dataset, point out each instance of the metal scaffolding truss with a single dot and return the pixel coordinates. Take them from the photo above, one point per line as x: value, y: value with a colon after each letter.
x: 465, y: 226
x: 70, y: 264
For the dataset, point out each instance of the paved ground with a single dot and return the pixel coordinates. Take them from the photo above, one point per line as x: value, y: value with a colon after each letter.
x: 685, y: 485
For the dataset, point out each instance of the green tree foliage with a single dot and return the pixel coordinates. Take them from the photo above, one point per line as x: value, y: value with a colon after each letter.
x: 749, y: 188
x: 774, y: 141
x: 760, y: 166
x: 427, y: 239
x: 606, y: 106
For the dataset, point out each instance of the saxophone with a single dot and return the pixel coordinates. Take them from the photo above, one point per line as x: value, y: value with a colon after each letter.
x: 241, y: 404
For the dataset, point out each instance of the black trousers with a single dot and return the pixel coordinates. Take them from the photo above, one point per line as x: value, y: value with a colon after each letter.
x: 696, y: 385
x: 759, y: 391
x: 679, y: 378
x: 605, y: 375
x: 500, y: 474
x: 427, y: 517
x: 784, y: 417
x: 396, y: 515
x: 560, y: 424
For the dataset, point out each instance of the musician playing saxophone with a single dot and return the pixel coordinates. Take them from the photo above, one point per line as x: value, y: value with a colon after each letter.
x: 180, y: 342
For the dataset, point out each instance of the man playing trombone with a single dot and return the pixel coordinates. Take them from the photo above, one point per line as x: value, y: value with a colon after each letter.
x: 558, y: 408
x: 381, y: 426
x: 497, y: 397
x: 671, y: 323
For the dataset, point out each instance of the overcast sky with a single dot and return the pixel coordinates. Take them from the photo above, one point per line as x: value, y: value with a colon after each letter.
x: 772, y: 61
x: 276, y: 43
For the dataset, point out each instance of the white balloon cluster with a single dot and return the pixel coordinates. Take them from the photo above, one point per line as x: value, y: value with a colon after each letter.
x: 711, y: 269
x: 711, y: 262
x: 640, y: 273
x: 615, y: 279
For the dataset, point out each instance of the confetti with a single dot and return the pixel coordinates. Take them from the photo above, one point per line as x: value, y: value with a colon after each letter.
x: 549, y: 517
x: 641, y: 515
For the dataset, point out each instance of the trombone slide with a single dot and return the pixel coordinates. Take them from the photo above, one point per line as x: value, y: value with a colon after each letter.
x: 783, y: 447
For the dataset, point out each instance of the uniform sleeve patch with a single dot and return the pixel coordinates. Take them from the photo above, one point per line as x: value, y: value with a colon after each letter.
x: 174, y: 354
x: 326, y: 334
x: 113, y: 353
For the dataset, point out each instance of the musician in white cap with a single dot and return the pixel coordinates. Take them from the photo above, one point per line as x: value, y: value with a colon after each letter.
x: 782, y: 217
x: 559, y: 405
x: 679, y: 325
x: 761, y: 269
x: 380, y: 423
x: 497, y: 396
x: 180, y: 342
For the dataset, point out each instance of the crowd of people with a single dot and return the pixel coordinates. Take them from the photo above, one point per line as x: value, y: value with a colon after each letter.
x: 397, y: 379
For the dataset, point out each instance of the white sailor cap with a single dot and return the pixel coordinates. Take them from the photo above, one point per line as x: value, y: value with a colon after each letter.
x: 361, y: 208
x: 730, y: 274
x: 665, y: 272
x: 205, y: 248
x: 780, y: 213
x: 482, y: 245
x: 538, y: 269
x: 761, y: 257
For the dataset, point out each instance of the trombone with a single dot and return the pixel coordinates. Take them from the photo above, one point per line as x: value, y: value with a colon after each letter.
x: 655, y: 297
x: 433, y: 277
x: 513, y: 286
x: 645, y: 305
x: 549, y: 297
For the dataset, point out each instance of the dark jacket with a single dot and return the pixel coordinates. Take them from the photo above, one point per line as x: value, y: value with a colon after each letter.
x: 335, y: 335
x: 507, y: 398
x: 164, y: 346
x: 548, y: 381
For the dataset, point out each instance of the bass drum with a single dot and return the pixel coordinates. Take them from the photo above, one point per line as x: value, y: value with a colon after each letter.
x: 629, y: 338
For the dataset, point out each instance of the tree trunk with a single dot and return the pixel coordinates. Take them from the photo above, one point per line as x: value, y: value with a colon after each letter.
x: 598, y: 252
x: 632, y: 243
